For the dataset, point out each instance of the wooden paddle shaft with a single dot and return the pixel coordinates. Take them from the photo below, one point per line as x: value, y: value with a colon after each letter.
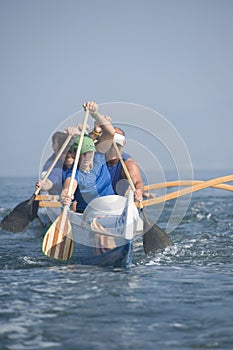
x: 124, y: 167
x: 139, y: 204
x: 78, y: 152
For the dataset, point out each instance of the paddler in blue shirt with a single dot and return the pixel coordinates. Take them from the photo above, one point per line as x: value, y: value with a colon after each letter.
x: 92, y: 178
x: 118, y: 177
x: 54, y: 182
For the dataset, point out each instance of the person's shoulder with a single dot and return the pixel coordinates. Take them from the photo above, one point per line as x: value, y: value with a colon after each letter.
x: 99, y: 158
x: 126, y: 156
x: 48, y: 162
x: 68, y: 172
x: 99, y: 155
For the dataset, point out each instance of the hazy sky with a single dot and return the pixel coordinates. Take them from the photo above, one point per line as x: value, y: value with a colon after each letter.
x: 171, y: 56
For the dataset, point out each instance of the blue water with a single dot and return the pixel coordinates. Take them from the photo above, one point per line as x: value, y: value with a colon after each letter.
x: 180, y: 298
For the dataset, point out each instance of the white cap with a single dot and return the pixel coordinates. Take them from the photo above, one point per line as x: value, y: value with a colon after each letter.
x: 120, y: 139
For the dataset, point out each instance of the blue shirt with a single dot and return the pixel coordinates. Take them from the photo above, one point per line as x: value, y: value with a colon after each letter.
x: 92, y: 184
x: 119, y: 183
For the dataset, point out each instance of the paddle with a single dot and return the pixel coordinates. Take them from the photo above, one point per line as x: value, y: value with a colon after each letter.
x: 18, y: 219
x: 58, y: 242
x: 154, y: 238
x: 187, y: 190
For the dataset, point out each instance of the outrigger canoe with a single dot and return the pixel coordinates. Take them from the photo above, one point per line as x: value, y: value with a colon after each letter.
x: 104, y: 233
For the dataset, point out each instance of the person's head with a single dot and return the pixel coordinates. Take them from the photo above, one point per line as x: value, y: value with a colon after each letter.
x: 58, y: 139
x: 111, y: 154
x: 69, y: 159
x: 86, y: 153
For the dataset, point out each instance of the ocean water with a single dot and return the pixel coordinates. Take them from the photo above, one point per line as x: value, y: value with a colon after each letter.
x: 180, y: 298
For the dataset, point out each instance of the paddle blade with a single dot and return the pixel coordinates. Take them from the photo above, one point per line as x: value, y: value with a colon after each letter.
x: 18, y: 219
x: 58, y: 242
x: 154, y: 238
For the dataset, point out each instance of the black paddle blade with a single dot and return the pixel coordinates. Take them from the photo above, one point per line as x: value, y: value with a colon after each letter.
x: 154, y: 238
x: 18, y: 219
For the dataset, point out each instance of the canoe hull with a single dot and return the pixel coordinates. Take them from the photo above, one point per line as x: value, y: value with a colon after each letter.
x: 118, y: 257
x: 103, y: 234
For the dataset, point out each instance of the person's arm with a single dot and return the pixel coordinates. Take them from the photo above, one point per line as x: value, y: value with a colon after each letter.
x: 108, y: 131
x: 44, y: 185
x: 135, y: 175
x: 97, y: 131
x: 52, y: 182
x: 75, y: 131
x: 65, y: 199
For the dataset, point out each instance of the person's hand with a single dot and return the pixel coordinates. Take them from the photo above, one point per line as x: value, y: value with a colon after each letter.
x: 73, y: 131
x: 80, y: 126
x: 149, y: 195
x: 73, y: 206
x: 64, y: 198
x: 92, y: 106
x: 138, y: 195
x: 39, y: 184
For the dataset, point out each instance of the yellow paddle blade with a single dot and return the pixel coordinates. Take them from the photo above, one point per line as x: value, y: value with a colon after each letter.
x: 58, y: 242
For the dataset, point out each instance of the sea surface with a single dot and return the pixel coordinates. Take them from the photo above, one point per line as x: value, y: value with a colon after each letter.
x: 180, y: 298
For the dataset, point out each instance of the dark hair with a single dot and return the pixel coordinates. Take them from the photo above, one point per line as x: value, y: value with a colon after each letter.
x: 59, y: 137
x: 71, y: 151
x: 119, y: 131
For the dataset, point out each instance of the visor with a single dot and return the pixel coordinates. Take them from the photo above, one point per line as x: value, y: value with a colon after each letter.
x: 120, y: 139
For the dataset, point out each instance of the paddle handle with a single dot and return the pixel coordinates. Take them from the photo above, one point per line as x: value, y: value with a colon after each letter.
x: 124, y: 166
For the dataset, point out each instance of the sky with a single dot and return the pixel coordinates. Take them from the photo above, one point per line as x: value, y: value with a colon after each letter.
x: 173, y: 58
